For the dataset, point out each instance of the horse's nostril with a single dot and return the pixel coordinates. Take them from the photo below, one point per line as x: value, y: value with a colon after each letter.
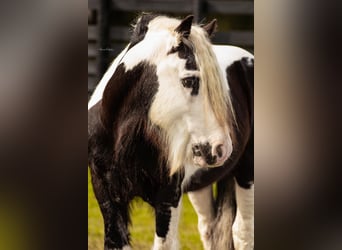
x: 196, y: 150
x: 197, y: 153
x: 210, y: 153
x: 219, y: 150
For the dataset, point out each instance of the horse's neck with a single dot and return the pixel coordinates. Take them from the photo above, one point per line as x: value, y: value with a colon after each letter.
x: 97, y: 95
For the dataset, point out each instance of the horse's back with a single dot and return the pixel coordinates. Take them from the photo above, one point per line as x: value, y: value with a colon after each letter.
x: 226, y: 55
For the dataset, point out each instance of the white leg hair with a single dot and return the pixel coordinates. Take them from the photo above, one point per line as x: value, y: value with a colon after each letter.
x: 243, y: 227
x: 171, y: 241
x: 202, y: 202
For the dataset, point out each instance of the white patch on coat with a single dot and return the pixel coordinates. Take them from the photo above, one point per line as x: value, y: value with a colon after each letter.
x: 243, y: 227
x: 202, y: 202
x: 226, y: 55
x: 189, y: 170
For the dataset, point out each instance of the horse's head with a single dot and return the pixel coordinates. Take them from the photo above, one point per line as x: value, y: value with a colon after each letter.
x: 191, y: 106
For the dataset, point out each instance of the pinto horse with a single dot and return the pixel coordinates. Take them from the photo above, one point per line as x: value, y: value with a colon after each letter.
x: 174, y: 114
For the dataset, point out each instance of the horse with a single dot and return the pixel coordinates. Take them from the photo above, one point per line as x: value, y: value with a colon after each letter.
x: 173, y: 114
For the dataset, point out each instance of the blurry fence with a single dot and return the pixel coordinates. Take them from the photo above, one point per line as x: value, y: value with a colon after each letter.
x: 109, y: 30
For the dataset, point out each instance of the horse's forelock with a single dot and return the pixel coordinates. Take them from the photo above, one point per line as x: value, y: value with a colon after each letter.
x: 216, y: 93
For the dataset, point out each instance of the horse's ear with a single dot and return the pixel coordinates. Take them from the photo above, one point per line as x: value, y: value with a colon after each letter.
x: 211, y: 27
x: 185, y: 26
x: 140, y: 27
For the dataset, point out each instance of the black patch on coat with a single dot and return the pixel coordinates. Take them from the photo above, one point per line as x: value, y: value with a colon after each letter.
x: 185, y: 52
x: 131, y: 91
x: 168, y: 197
x: 163, y: 218
x: 141, y: 29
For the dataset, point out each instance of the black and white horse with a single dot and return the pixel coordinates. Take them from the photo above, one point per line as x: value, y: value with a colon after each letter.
x: 174, y: 114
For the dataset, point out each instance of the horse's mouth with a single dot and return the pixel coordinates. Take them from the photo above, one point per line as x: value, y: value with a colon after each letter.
x: 210, y: 162
x: 202, y: 162
x: 210, y: 155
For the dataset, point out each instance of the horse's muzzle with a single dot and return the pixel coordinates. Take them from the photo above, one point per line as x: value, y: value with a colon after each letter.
x: 212, y: 155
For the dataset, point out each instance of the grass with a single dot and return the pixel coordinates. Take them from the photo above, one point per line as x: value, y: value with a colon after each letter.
x: 142, y: 228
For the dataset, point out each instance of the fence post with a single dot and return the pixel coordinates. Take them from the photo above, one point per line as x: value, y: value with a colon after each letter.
x: 197, y: 8
x: 104, y: 35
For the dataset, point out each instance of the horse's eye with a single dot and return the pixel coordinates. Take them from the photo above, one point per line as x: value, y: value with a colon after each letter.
x: 190, y: 82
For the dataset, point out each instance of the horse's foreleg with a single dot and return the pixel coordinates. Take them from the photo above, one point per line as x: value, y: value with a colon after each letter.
x: 115, y: 216
x: 243, y: 227
x: 202, y: 201
x: 167, y: 218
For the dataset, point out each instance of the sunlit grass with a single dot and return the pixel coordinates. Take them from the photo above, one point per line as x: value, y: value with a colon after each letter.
x: 143, y: 228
